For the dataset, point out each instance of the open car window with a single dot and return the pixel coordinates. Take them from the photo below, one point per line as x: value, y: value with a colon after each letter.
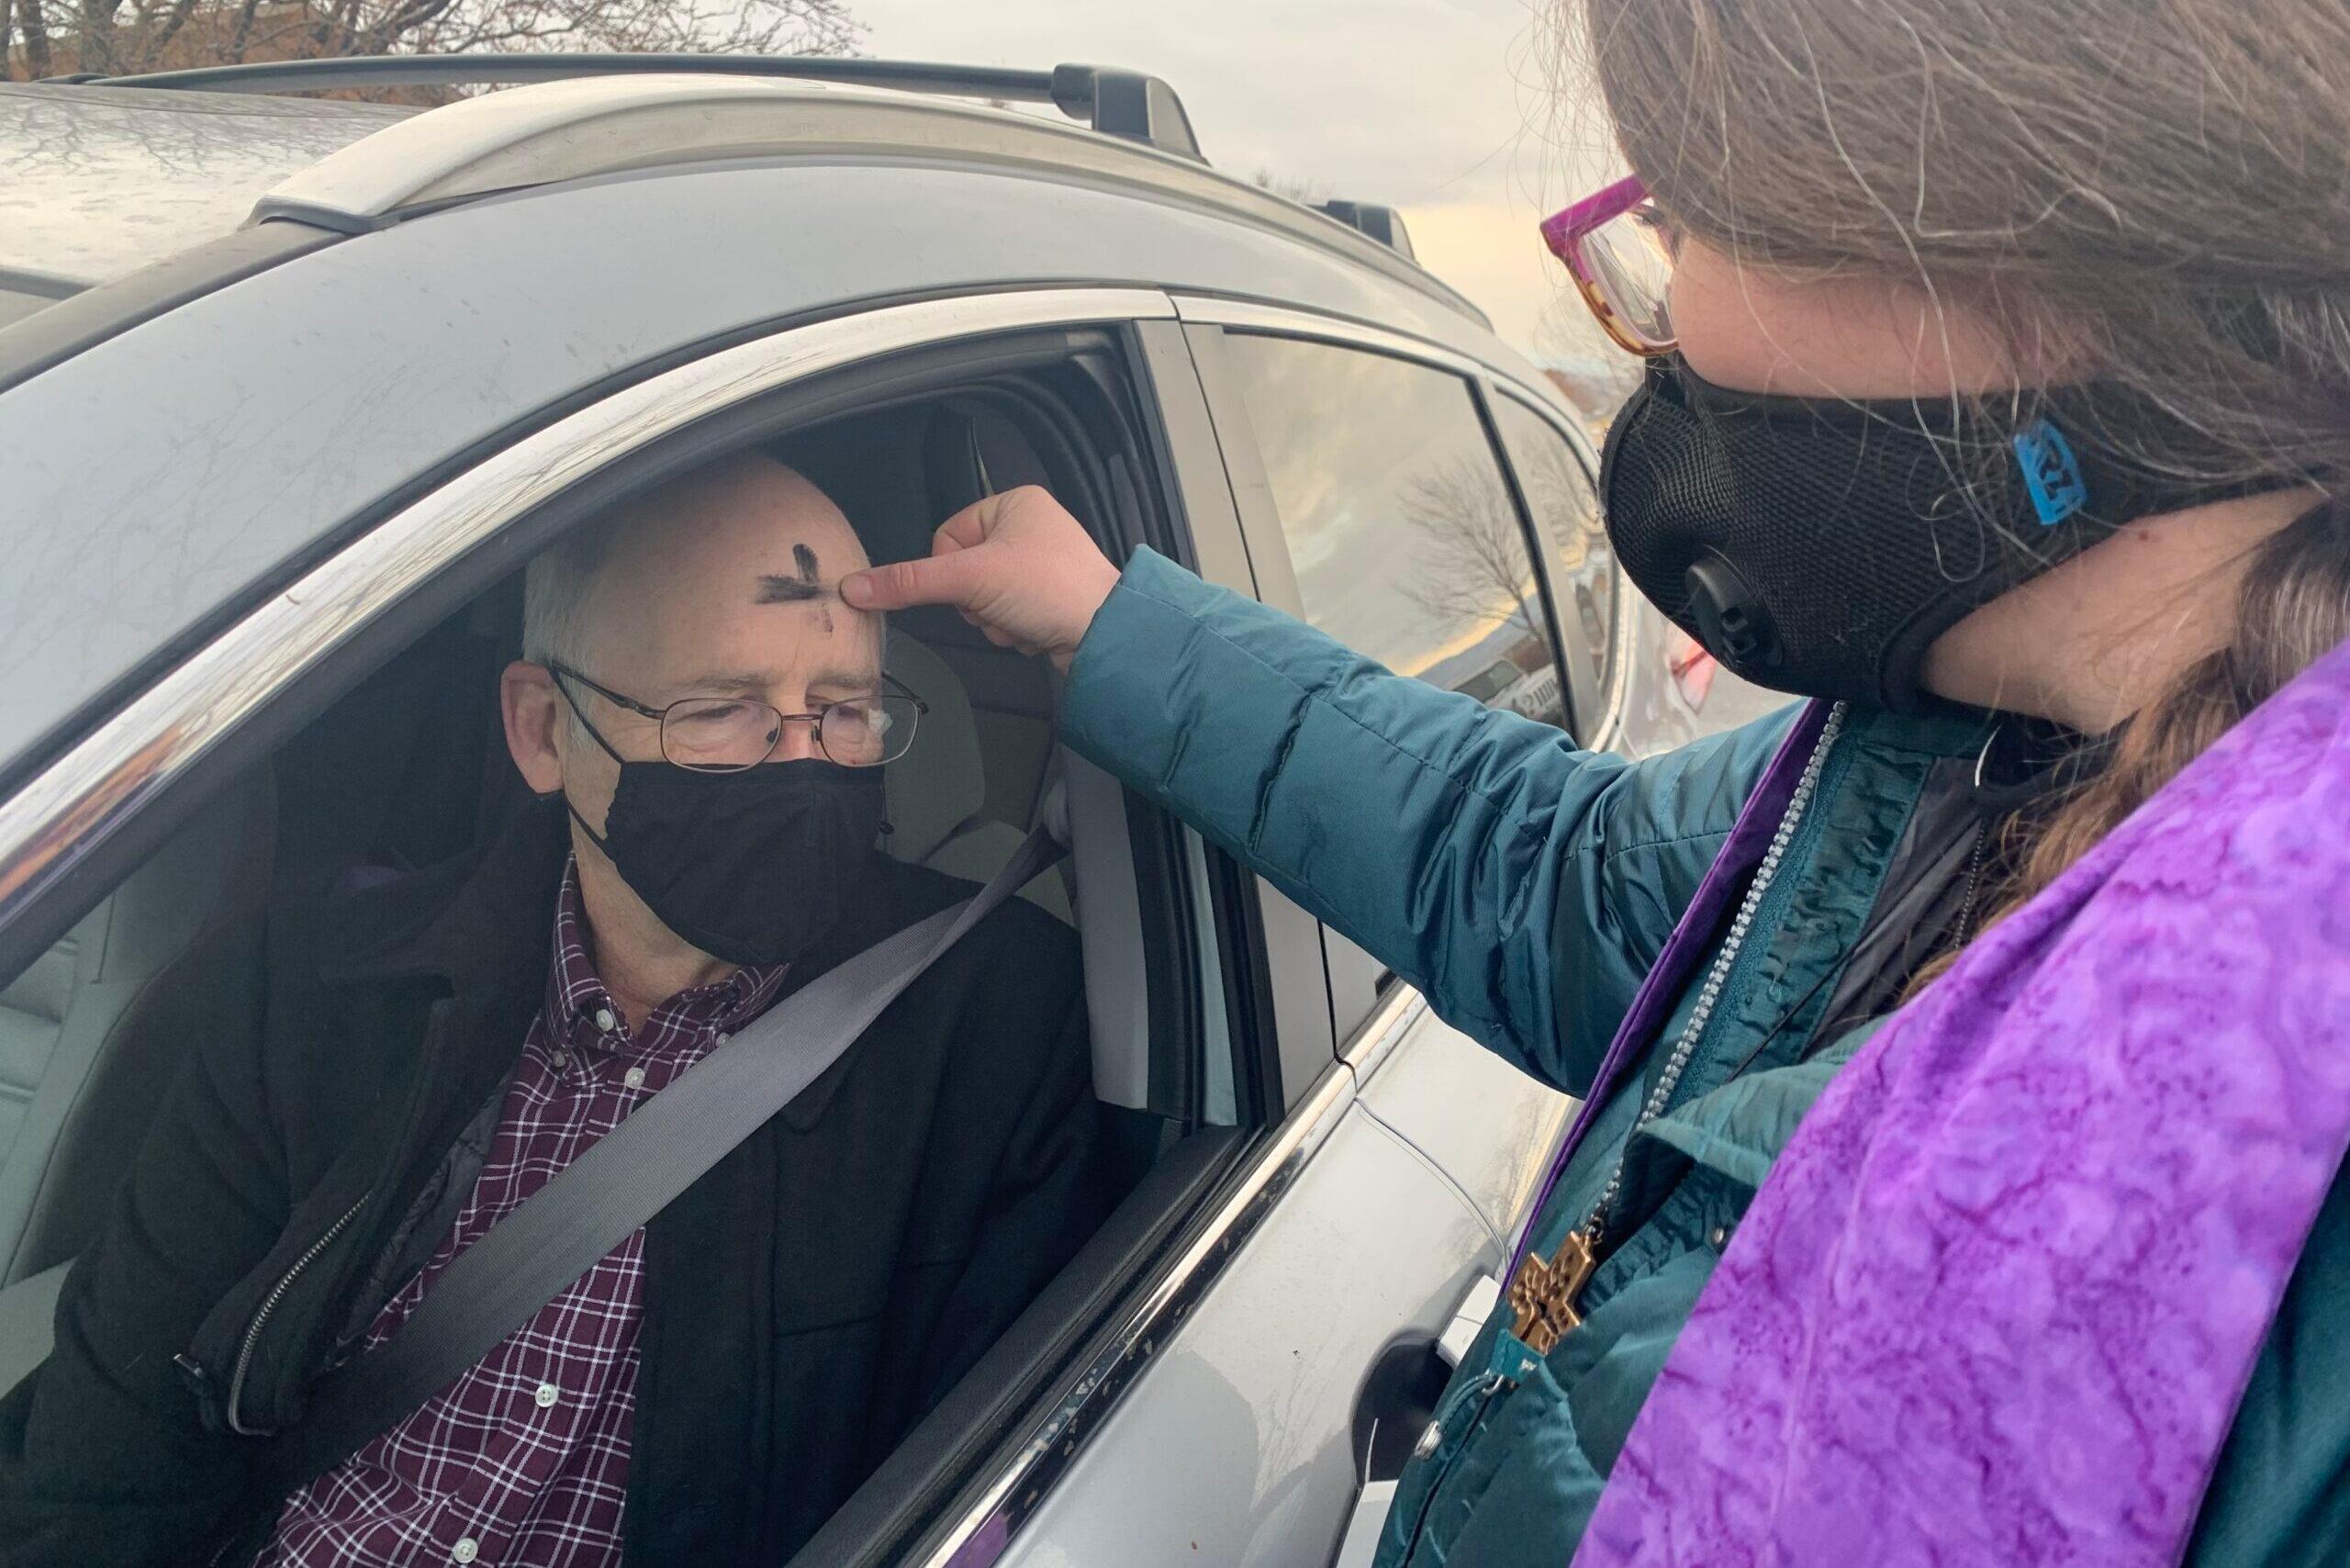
x: 397, y: 767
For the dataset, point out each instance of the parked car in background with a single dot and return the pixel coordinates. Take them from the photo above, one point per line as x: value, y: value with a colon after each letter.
x: 291, y: 388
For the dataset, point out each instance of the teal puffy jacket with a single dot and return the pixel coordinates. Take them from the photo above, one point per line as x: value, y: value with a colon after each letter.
x: 1526, y: 887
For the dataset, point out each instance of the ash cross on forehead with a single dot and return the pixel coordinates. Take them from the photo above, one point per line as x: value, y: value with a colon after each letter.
x: 805, y: 589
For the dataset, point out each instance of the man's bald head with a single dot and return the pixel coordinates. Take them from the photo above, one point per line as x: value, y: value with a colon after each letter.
x: 689, y: 541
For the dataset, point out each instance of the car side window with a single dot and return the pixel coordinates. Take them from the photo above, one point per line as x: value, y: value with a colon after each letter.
x: 407, y: 767
x: 1406, y: 540
x: 1566, y: 515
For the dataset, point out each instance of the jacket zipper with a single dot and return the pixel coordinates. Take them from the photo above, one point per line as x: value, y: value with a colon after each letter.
x: 1778, y: 851
x: 1487, y: 1386
x: 1973, y: 880
x: 268, y: 1304
x: 1717, y: 975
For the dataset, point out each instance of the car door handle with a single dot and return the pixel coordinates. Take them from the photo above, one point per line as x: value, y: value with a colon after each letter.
x: 1360, y: 1543
x: 1476, y: 1307
x: 1397, y: 1403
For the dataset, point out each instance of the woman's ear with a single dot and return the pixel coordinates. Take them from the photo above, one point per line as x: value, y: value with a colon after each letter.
x: 533, y: 712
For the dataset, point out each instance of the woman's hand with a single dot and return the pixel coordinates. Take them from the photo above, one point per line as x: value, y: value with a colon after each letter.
x: 1017, y: 565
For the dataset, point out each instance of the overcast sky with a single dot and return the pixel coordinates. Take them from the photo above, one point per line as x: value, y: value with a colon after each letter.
x: 1441, y: 107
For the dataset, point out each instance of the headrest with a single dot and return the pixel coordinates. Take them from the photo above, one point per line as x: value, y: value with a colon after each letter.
x: 941, y: 784
x: 975, y: 449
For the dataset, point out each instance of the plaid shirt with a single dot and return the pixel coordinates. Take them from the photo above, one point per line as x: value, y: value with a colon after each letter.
x: 524, y: 1460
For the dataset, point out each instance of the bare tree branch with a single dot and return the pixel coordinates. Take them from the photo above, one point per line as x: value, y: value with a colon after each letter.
x: 93, y: 39
x: 1472, y: 558
x: 1295, y: 189
x: 244, y: 30
x: 180, y: 12
x: 127, y: 37
x: 33, y: 27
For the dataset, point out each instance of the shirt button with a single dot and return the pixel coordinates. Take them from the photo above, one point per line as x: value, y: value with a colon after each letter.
x: 465, y: 1550
x: 546, y: 1396
x: 722, y: 1037
x: 1718, y: 1237
x: 633, y: 1078
x: 559, y: 1061
x: 604, y: 1019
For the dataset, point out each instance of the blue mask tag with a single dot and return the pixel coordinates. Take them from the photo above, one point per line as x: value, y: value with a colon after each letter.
x: 2051, y: 472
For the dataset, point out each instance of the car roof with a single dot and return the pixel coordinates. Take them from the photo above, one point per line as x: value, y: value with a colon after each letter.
x: 206, y: 446
x: 104, y: 180
x: 116, y: 176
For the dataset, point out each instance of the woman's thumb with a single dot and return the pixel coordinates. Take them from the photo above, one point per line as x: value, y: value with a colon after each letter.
x: 952, y: 578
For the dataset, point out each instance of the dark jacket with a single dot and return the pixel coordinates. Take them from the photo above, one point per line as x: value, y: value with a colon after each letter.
x: 804, y: 1303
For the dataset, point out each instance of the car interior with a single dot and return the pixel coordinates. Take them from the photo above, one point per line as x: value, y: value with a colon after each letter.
x: 408, y: 767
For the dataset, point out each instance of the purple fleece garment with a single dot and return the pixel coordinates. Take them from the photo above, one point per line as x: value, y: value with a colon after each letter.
x: 1999, y: 1297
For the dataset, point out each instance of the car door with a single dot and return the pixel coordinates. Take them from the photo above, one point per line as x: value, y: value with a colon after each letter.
x: 1365, y: 1245
x: 1253, y: 1386
x: 1301, y: 1374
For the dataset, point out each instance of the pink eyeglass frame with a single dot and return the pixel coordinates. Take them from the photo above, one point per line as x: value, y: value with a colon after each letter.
x: 1566, y: 231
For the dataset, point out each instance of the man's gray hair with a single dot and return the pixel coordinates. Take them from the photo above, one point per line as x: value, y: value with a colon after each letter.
x: 555, y: 594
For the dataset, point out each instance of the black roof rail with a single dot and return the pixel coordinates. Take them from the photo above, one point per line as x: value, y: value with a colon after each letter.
x: 1119, y: 103
x: 1383, y: 224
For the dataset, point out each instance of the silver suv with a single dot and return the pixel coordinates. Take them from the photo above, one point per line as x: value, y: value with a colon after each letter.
x: 290, y: 390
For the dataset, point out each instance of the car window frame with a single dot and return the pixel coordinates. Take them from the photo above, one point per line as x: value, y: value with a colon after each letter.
x: 1358, y: 985
x: 1595, y: 689
x: 1261, y: 519
x: 1214, y: 475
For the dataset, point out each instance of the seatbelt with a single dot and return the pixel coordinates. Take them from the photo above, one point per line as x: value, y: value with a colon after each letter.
x: 621, y: 1181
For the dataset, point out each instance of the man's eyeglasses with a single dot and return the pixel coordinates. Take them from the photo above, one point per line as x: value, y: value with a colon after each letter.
x: 1619, y: 248
x: 727, y: 734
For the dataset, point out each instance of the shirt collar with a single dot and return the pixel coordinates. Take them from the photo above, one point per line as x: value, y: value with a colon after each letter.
x: 576, y: 991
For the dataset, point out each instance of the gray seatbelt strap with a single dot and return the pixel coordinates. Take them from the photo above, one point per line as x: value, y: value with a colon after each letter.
x: 589, y: 1207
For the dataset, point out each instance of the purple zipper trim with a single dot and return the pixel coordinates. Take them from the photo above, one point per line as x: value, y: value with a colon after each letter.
x: 1750, y: 836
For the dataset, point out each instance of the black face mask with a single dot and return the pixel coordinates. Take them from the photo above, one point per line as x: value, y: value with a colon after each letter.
x: 1819, y: 546
x: 753, y: 866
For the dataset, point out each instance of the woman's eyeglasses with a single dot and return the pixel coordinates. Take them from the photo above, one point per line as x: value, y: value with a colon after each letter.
x: 727, y: 734
x: 1619, y: 248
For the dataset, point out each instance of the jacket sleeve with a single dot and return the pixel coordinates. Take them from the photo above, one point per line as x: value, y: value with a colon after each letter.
x: 102, y: 1455
x: 1523, y: 885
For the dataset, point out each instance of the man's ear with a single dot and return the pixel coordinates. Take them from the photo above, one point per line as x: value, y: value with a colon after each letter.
x: 533, y: 712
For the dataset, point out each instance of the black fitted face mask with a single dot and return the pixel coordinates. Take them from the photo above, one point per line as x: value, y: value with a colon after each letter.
x: 1819, y: 545
x: 753, y: 866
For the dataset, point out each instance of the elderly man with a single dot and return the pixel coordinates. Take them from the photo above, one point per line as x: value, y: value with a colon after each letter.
x: 706, y: 725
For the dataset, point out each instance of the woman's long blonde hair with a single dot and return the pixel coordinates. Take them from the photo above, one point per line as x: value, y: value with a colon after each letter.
x: 2164, y: 183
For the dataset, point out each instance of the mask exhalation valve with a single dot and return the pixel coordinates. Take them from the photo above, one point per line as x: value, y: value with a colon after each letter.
x: 1730, y: 619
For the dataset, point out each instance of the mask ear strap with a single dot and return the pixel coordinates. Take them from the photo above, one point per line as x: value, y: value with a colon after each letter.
x: 593, y: 733
x: 593, y: 836
x: 581, y: 714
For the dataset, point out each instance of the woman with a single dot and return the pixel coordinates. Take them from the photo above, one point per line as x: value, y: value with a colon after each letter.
x: 1996, y: 401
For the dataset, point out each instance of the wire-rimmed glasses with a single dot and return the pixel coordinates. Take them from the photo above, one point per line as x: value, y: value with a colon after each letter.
x: 727, y: 734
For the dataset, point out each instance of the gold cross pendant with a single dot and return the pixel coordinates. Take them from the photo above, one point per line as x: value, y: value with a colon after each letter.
x: 1543, y: 1294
